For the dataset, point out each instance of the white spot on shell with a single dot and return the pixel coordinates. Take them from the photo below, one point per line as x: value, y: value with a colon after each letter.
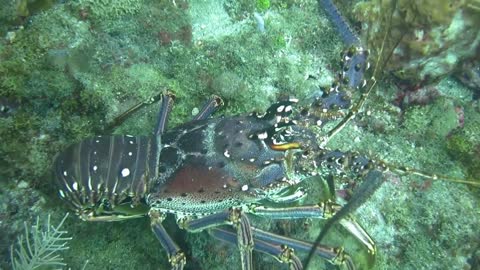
x: 262, y: 136
x: 252, y: 160
x: 95, y: 168
x: 65, y: 173
x: 90, y: 183
x: 130, y: 153
x: 75, y: 185
x: 125, y: 172
x: 244, y: 187
x: 97, y: 141
x: 225, y: 186
x: 131, y: 142
x: 226, y: 154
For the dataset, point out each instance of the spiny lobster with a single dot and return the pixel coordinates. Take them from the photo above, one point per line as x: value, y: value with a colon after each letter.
x: 211, y: 173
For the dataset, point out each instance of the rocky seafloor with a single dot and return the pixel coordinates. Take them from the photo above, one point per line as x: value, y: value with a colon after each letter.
x: 68, y: 69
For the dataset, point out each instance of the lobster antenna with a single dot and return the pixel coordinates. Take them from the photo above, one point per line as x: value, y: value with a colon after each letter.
x: 363, y: 97
x: 435, y: 177
x: 375, y: 181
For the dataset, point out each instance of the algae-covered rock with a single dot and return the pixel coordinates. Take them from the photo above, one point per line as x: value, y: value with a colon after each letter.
x: 110, y: 9
x: 427, y: 39
x: 463, y: 144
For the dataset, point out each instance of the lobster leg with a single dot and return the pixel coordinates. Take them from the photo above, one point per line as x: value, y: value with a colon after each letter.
x: 161, y: 125
x: 121, y: 118
x: 282, y: 253
x: 233, y: 217
x: 320, y: 211
x: 165, y: 109
x: 282, y: 248
x: 208, y: 108
x: 336, y: 256
x: 176, y: 257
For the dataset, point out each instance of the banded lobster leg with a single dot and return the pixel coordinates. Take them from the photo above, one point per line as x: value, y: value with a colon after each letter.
x: 176, y: 257
x: 277, y: 246
x: 283, y: 248
x: 323, y: 210
x: 238, y: 220
x: 271, y: 244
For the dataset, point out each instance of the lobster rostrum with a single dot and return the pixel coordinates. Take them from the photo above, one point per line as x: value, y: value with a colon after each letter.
x: 212, y: 173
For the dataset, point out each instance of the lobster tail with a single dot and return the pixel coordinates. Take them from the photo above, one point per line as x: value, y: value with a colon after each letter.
x: 99, y: 174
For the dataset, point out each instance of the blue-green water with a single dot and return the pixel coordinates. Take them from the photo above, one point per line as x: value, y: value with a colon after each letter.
x: 68, y: 69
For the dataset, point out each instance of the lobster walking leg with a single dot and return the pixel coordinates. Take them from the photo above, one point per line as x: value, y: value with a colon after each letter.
x: 121, y: 118
x: 336, y: 256
x: 208, y: 108
x: 165, y: 109
x: 282, y: 248
x: 162, y: 120
x: 282, y: 253
x: 176, y: 257
x: 233, y: 217
x: 325, y: 210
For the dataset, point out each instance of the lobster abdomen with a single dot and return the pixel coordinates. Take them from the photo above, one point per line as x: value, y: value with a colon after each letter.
x: 109, y: 169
